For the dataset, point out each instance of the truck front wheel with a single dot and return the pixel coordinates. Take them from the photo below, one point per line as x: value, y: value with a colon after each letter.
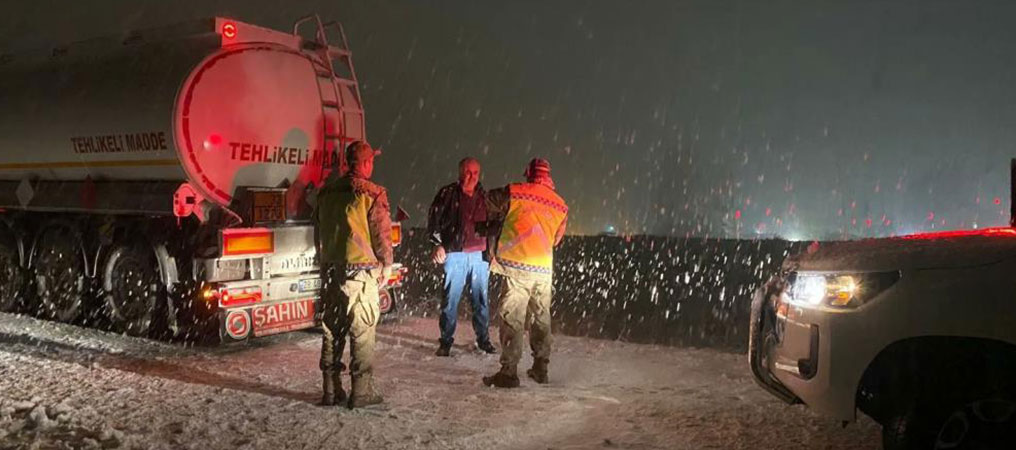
x: 131, y: 288
x: 985, y: 423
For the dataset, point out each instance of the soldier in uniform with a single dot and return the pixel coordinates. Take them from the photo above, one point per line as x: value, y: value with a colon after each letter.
x: 355, y: 253
x: 530, y: 221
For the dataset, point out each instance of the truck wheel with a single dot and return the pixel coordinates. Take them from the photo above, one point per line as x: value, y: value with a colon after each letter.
x: 131, y: 288
x: 60, y: 283
x: 979, y: 424
x: 11, y: 279
x: 911, y: 429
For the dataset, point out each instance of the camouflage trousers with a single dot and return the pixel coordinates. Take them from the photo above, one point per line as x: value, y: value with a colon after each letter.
x: 525, y: 300
x: 349, y: 308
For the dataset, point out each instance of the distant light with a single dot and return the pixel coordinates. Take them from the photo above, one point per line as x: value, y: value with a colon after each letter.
x: 229, y: 30
x: 998, y: 201
x: 793, y: 237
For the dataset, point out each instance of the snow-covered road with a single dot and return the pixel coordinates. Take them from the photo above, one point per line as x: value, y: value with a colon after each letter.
x: 67, y: 387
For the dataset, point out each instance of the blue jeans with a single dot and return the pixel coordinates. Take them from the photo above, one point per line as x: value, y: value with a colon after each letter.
x: 461, y: 268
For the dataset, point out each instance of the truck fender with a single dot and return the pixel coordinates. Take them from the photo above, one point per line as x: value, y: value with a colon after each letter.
x: 170, y: 276
x: 167, y: 266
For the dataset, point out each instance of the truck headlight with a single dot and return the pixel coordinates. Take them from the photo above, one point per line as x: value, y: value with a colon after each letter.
x: 838, y: 290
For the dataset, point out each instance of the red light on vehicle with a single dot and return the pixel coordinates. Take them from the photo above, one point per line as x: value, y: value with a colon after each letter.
x: 229, y: 30
x: 397, y: 276
x: 213, y: 141
x: 239, y: 297
x: 987, y: 232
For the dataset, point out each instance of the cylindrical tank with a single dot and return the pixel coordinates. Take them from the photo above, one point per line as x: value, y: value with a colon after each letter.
x: 216, y: 103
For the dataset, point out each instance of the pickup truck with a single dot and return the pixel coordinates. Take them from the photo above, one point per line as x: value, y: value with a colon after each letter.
x: 918, y: 332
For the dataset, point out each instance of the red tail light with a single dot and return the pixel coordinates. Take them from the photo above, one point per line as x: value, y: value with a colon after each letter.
x: 239, y: 297
x: 397, y: 276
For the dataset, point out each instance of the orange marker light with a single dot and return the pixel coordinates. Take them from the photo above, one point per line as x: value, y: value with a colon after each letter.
x: 247, y: 241
x: 396, y: 234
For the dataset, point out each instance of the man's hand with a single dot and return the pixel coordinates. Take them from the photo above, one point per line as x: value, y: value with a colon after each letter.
x: 438, y: 257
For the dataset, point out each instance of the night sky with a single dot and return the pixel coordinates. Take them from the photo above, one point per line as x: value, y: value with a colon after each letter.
x: 804, y: 119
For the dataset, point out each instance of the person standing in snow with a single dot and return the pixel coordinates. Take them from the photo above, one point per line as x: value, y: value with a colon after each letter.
x: 353, y: 236
x: 451, y: 225
x: 527, y: 220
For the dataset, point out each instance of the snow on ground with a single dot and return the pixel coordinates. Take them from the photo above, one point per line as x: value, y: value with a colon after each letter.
x: 66, y: 387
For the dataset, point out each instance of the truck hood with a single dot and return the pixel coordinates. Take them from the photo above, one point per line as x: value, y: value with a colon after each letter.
x: 949, y: 249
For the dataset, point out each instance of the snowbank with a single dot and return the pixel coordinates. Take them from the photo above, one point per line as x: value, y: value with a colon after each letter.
x: 686, y: 292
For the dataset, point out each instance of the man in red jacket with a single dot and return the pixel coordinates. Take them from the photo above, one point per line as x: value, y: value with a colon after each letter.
x: 452, y: 226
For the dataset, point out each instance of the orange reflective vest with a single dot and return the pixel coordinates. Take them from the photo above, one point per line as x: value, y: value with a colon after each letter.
x: 343, y: 205
x: 535, y: 214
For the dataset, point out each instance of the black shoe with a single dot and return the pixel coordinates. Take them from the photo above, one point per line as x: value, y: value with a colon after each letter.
x: 363, y: 392
x: 505, y: 378
x: 539, y: 371
x: 444, y: 350
x: 538, y: 376
x: 487, y: 347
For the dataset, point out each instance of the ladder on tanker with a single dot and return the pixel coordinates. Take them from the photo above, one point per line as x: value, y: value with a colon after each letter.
x: 343, y: 123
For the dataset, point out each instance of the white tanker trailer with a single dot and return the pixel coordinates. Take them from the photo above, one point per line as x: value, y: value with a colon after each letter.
x: 161, y: 177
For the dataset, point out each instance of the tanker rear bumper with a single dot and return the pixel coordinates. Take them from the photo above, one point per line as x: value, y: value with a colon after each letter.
x: 258, y: 308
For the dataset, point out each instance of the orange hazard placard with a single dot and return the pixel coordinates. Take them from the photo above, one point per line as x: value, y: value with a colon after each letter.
x: 269, y: 207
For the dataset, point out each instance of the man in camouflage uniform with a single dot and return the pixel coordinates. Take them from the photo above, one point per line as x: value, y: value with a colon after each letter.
x: 355, y: 253
x: 531, y: 221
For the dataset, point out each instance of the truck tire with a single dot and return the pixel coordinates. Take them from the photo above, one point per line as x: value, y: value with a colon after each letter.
x: 12, y: 279
x: 912, y: 428
x: 985, y: 423
x: 59, y: 275
x: 131, y: 288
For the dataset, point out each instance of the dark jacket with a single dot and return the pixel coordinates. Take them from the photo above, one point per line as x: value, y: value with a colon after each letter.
x: 444, y: 220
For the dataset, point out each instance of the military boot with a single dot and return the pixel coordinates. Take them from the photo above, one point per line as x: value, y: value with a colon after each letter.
x: 340, y: 394
x: 507, y: 377
x: 539, y: 371
x: 363, y: 392
x: 328, y: 387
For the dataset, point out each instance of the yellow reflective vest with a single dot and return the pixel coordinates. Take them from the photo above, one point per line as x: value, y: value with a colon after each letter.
x: 535, y: 214
x: 346, y: 208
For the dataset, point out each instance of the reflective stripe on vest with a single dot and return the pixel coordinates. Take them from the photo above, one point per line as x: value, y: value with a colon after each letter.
x: 344, y: 230
x: 535, y: 214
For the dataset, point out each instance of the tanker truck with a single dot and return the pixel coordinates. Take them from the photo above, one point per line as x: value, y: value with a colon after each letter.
x: 163, y: 179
